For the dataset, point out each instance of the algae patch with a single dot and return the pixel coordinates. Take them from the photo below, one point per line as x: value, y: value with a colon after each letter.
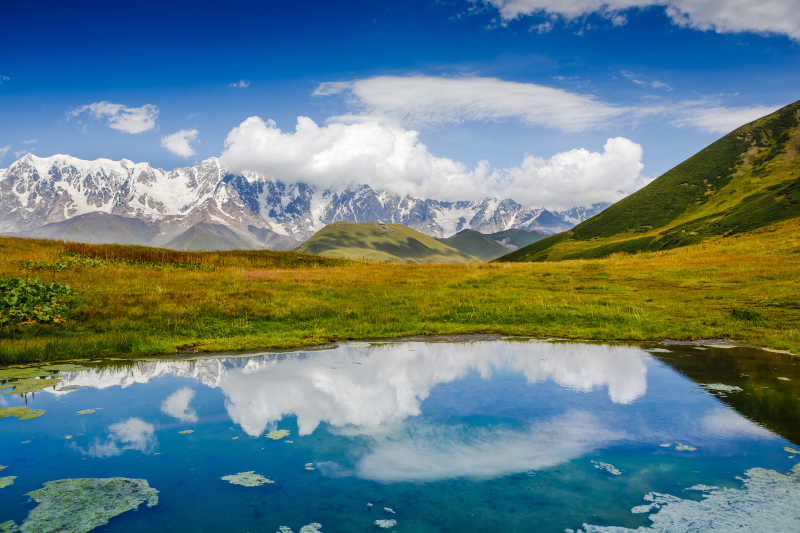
x: 278, y: 434
x: 247, y: 479
x: 6, y: 481
x: 186, y: 432
x: 80, y: 505
x: 721, y: 387
x: 386, y: 524
x: 87, y: 411
x: 607, y: 467
x: 20, y: 412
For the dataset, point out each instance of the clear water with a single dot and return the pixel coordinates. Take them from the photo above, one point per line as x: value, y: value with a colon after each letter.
x: 477, y: 436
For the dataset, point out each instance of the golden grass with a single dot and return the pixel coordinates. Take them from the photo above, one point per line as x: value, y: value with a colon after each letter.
x: 745, y: 287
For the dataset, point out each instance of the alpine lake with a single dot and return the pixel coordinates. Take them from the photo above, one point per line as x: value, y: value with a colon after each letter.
x: 482, y: 434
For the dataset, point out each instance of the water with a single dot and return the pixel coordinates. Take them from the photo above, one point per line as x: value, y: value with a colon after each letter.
x: 479, y: 436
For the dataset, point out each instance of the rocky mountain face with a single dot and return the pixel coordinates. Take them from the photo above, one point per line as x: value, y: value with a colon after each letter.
x: 54, y: 196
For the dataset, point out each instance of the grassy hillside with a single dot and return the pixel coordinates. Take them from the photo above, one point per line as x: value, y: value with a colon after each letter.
x: 743, y: 181
x: 475, y: 244
x: 138, y: 301
x: 387, y: 243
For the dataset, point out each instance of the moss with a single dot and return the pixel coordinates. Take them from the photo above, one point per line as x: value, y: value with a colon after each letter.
x: 80, y: 505
x: 21, y: 412
x: 247, y: 479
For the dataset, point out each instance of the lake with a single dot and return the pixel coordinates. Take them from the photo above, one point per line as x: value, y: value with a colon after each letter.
x: 488, y: 435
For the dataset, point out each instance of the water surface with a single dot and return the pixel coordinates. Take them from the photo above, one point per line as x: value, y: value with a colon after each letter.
x: 426, y: 437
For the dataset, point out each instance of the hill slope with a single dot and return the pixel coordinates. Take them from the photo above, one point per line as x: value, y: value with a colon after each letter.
x: 205, y: 236
x: 476, y: 244
x: 99, y: 228
x: 492, y: 245
x: 743, y: 181
x: 391, y: 243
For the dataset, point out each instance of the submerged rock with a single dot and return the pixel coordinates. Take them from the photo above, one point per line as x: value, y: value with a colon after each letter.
x: 278, y: 434
x: 247, y: 479
x: 386, y: 524
x: 80, y: 505
x: 21, y: 412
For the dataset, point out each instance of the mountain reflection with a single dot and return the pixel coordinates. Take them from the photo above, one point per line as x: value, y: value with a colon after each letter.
x: 364, y: 388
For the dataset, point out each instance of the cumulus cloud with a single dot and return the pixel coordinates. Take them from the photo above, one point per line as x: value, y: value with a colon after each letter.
x: 177, y: 405
x: 241, y: 84
x: 120, y: 117
x: 422, y: 100
x: 131, y: 434
x: 721, y: 119
x: 389, y: 157
x: 180, y: 142
x: 721, y: 16
x: 443, y: 453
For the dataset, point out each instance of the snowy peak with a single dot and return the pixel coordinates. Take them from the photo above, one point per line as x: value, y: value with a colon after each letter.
x: 37, y: 191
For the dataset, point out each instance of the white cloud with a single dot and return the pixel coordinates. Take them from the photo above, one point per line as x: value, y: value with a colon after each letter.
x: 727, y: 423
x: 30, y: 141
x: 120, y: 117
x: 241, y: 84
x: 179, y: 143
x: 422, y: 100
x: 721, y: 119
x: 653, y: 84
x: 4, y: 150
x: 721, y: 16
x: 447, y: 452
x: 131, y: 434
x: 389, y: 157
x: 177, y: 405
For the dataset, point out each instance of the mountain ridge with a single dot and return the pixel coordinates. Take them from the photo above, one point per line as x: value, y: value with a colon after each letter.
x: 37, y: 191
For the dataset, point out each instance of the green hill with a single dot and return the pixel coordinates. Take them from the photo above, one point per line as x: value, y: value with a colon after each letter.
x: 488, y: 246
x: 745, y: 180
x: 205, y: 236
x: 390, y: 243
x: 476, y: 244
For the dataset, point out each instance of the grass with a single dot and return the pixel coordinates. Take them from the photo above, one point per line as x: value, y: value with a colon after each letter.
x: 745, y: 180
x: 133, y: 301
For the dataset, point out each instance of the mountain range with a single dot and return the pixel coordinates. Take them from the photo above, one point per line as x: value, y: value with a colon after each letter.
x: 746, y: 180
x: 206, y: 207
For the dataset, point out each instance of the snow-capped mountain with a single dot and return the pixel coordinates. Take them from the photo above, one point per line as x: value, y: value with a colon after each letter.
x: 54, y: 196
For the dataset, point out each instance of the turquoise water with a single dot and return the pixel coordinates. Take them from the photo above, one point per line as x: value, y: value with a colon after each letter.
x: 451, y: 437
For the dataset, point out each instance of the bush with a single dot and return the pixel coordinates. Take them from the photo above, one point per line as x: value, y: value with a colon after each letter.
x: 26, y: 302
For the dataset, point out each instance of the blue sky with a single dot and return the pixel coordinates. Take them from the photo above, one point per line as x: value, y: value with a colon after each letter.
x: 493, y: 81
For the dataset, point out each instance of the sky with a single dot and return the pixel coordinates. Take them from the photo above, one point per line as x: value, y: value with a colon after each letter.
x: 553, y: 103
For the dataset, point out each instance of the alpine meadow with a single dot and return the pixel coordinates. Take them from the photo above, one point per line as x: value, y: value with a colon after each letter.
x: 423, y: 266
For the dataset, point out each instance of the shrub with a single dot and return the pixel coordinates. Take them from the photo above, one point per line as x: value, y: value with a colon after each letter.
x: 25, y: 301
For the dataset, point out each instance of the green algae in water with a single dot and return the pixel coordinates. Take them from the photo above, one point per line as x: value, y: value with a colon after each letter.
x: 278, y: 434
x: 607, y: 467
x: 247, y: 479
x: 87, y: 411
x: 21, y: 412
x: 64, y: 367
x: 23, y: 373
x: 80, y: 505
x: 386, y: 524
x: 7, y: 481
x: 27, y: 385
x: 186, y: 432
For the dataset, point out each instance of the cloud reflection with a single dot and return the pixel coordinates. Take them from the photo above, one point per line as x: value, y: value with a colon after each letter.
x: 131, y: 434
